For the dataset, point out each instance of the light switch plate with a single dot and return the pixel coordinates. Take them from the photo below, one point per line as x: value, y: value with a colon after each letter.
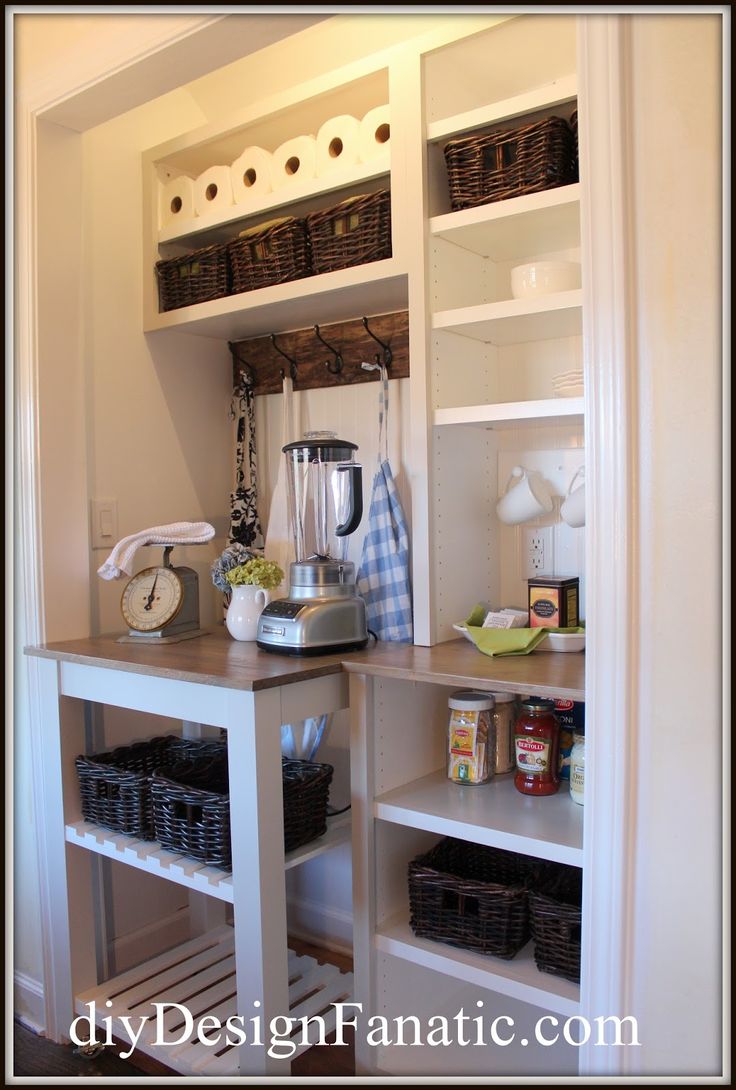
x: 104, y: 523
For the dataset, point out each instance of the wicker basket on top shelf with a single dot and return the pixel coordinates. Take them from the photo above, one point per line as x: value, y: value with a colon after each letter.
x: 354, y: 232
x: 194, y: 278
x: 270, y: 253
x: 498, y: 165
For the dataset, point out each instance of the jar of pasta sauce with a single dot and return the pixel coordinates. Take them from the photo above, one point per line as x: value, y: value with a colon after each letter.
x: 536, y: 742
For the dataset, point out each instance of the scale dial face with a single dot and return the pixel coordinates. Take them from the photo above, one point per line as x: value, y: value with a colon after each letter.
x: 152, y: 599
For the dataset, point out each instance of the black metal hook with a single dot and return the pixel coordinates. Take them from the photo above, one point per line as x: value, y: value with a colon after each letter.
x: 246, y: 369
x: 333, y: 366
x: 291, y: 362
x: 387, y: 353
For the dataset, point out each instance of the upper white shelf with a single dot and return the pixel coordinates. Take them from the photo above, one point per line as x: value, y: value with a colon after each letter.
x: 515, y: 321
x: 551, y: 94
x: 521, y: 227
x: 376, y: 288
x: 512, y: 413
x: 518, y: 978
x: 206, y: 230
x: 495, y: 814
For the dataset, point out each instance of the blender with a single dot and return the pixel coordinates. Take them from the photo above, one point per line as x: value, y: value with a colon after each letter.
x: 322, y: 612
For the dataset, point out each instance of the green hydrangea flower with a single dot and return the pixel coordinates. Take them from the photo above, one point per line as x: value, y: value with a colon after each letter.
x: 257, y: 572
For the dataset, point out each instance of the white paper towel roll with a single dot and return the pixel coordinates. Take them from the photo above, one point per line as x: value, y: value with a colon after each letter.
x: 375, y: 135
x: 294, y: 161
x: 338, y: 144
x: 251, y: 175
x: 176, y: 200
x: 213, y: 191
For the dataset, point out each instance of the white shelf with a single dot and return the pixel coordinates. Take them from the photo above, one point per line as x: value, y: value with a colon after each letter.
x: 270, y: 205
x: 376, y: 288
x: 495, y: 814
x: 549, y: 95
x: 512, y: 413
x: 519, y: 228
x: 516, y: 321
x: 201, y: 975
x: 148, y: 855
x: 518, y: 978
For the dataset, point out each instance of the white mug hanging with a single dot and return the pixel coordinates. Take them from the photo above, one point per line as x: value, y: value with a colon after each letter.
x: 573, y: 506
x: 529, y: 498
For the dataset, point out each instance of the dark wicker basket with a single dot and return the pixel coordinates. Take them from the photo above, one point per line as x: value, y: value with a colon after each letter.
x: 555, y: 912
x: 193, y: 278
x: 471, y: 895
x: 115, y: 787
x: 354, y: 232
x: 272, y: 253
x: 191, y: 807
x: 498, y: 165
x: 306, y: 792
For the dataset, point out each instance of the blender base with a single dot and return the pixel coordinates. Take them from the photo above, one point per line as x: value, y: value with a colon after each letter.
x: 333, y: 649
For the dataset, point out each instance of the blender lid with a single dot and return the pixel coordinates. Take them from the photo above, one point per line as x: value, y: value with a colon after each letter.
x: 332, y: 449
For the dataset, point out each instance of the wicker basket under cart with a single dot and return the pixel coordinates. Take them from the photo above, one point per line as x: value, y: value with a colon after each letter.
x: 555, y: 910
x: 191, y: 807
x: 194, y: 278
x: 115, y: 786
x: 354, y: 232
x: 509, y: 163
x: 471, y: 895
x: 269, y: 253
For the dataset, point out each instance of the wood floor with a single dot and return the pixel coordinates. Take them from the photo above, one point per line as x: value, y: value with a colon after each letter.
x: 34, y: 1055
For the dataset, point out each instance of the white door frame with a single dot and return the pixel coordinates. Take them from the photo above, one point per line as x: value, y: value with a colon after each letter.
x: 610, y: 472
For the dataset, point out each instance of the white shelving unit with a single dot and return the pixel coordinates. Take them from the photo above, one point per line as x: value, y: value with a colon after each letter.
x: 515, y: 321
x: 512, y: 413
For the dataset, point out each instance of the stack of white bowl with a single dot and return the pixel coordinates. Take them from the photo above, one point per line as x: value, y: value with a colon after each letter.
x: 568, y: 383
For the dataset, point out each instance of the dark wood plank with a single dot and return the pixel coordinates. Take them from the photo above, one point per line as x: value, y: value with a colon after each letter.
x: 350, y: 339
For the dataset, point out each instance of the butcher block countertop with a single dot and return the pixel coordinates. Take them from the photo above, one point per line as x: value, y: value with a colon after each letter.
x: 216, y: 659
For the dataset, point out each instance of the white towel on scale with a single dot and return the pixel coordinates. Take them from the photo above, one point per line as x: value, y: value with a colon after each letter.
x: 120, y: 560
x: 301, y: 739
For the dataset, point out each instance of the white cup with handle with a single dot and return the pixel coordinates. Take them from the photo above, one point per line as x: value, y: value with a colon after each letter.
x: 572, y: 510
x: 526, y: 499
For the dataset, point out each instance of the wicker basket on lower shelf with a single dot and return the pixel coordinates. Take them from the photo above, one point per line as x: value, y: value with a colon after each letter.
x: 193, y: 278
x: 191, y: 807
x: 115, y: 787
x: 472, y: 896
x: 354, y: 232
x: 555, y: 911
x: 270, y: 253
x: 498, y: 165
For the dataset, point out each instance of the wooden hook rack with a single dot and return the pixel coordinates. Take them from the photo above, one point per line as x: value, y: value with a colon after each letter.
x: 315, y: 363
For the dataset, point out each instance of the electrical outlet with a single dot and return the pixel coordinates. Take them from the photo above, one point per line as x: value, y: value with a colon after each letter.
x: 537, y: 551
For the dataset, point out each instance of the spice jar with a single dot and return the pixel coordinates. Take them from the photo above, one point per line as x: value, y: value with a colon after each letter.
x: 470, y: 738
x: 536, y: 742
x: 505, y: 709
x: 577, y: 768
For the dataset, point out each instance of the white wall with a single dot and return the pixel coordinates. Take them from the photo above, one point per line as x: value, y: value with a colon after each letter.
x: 677, y: 957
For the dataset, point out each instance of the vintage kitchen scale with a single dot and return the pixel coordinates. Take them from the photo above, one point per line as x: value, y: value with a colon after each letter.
x: 161, y: 604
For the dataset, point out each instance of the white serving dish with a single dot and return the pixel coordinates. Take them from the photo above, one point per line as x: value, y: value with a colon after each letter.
x: 544, y: 278
x: 464, y: 632
x: 563, y: 641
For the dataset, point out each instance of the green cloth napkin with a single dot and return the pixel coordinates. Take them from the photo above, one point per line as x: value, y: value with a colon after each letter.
x: 506, y: 641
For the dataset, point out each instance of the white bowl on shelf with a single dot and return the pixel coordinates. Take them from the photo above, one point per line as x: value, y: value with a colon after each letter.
x: 563, y: 641
x: 462, y: 629
x: 544, y: 278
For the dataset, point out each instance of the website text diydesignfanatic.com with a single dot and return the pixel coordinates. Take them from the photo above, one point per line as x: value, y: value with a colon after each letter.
x: 286, y: 1035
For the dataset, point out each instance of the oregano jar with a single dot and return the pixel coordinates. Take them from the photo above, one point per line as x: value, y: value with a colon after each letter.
x: 536, y: 743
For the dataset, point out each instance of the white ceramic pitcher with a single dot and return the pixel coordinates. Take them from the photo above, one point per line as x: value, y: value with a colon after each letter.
x: 246, y: 605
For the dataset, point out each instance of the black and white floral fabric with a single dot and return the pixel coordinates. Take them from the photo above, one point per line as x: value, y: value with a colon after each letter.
x: 245, y: 526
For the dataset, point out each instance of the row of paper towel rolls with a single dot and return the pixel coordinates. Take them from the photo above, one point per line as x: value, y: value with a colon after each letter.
x: 341, y: 142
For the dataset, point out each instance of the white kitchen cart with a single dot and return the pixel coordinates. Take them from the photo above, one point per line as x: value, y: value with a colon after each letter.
x: 211, y: 681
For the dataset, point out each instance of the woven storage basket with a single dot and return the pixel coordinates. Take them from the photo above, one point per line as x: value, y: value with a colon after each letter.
x: 271, y: 253
x: 191, y: 807
x: 472, y: 896
x: 499, y: 165
x: 193, y: 278
x: 354, y: 232
x: 555, y: 912
x: 306, y: 792
x: 115, y: 787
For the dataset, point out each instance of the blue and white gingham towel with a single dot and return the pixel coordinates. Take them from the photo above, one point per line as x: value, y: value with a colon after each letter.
x: 383, y: 576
